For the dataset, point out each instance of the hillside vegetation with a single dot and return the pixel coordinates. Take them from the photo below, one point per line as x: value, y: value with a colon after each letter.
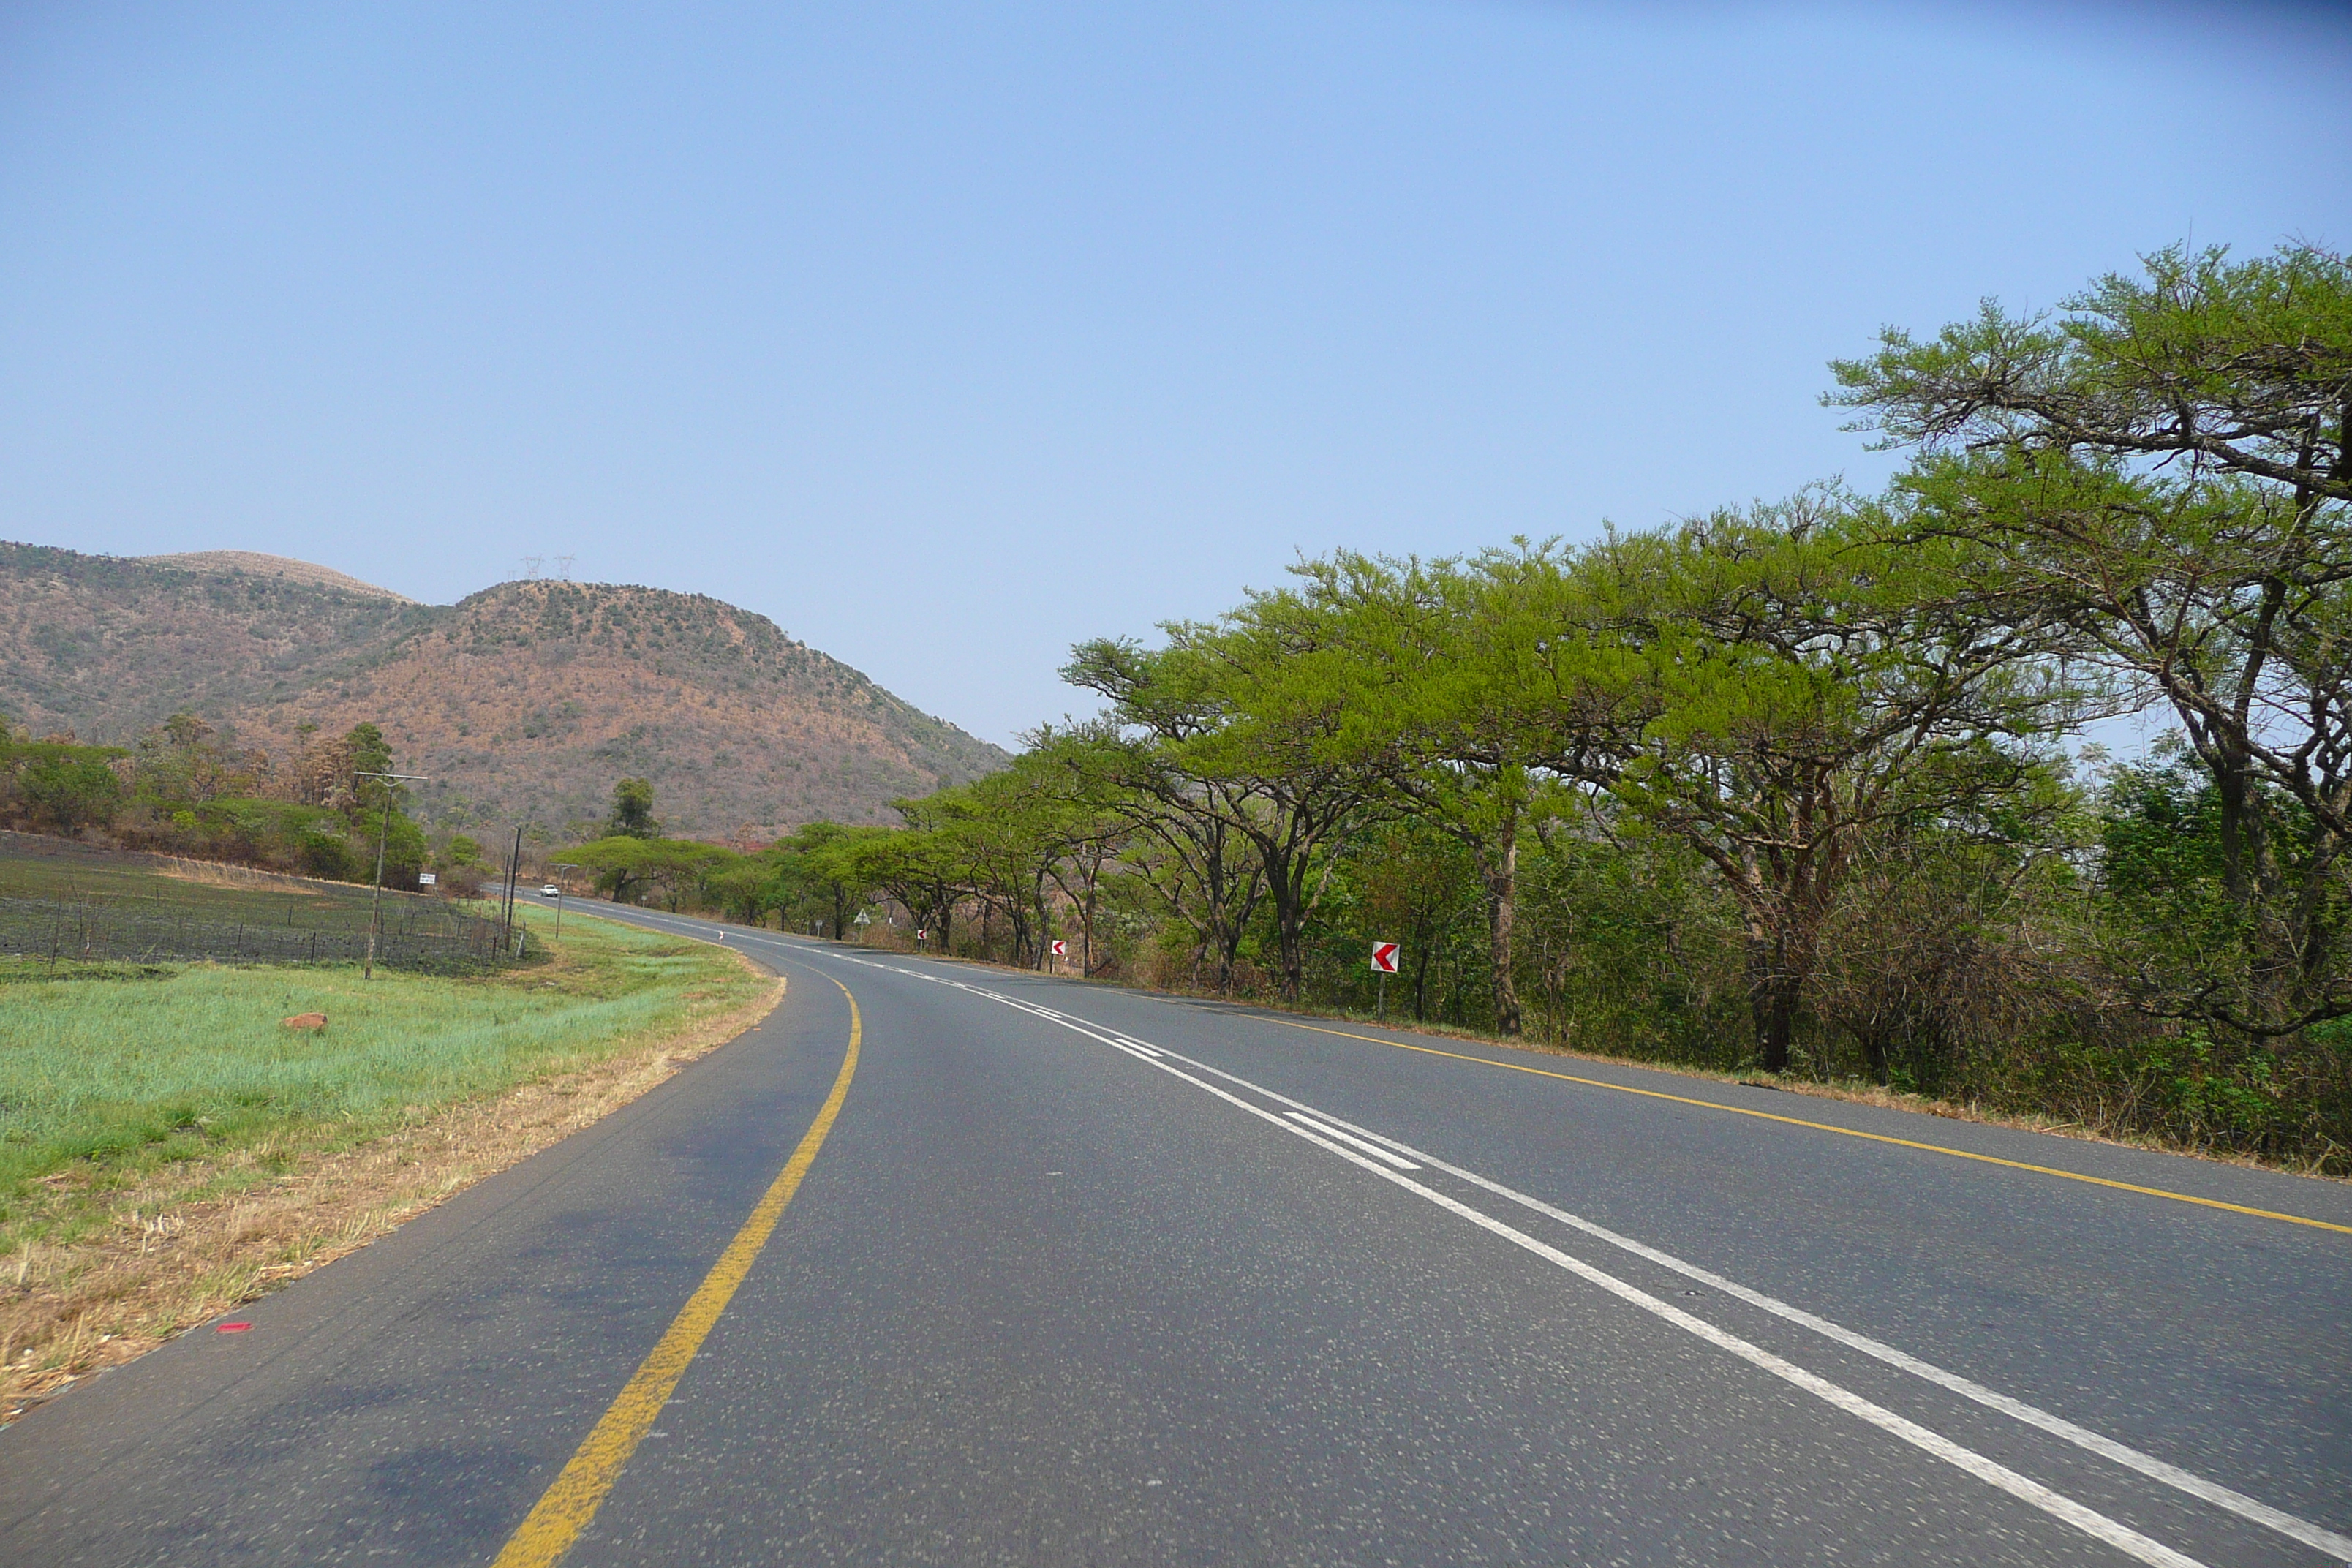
x: 522, y: 702
x: 109, y: 648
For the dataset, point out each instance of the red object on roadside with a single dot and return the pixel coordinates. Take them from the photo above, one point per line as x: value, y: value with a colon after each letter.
x: 231, y: 1328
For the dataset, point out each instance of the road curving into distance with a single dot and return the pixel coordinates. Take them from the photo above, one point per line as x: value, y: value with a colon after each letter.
x: 948, y: 1265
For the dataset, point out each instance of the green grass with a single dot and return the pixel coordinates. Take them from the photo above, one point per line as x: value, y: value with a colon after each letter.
x: 111, y: 1071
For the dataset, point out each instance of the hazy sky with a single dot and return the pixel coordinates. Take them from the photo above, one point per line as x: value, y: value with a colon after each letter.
x: 949, y: 335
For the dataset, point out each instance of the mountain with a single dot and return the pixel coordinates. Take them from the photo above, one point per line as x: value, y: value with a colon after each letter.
x: 109, y: 648
x: 247, y: 563
x: 523, y: 703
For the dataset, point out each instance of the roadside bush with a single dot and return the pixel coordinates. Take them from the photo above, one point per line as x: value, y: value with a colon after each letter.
x: 279, y: 835
x: 70, y: 788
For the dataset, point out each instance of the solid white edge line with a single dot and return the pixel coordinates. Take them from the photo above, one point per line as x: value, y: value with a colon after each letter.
x: 1366, y: 1144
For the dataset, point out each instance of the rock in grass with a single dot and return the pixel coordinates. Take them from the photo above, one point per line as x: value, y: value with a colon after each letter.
x: 304, y: 1021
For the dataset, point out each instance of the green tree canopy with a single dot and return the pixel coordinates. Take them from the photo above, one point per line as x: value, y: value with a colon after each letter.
x: 69, y: 787
x: 1799, y: 685
x: 633, y: 811
x: 2161, y: 467
x: 677, y: 870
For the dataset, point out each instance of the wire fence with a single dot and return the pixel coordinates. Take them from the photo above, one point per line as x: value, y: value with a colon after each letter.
x: 60, y: 901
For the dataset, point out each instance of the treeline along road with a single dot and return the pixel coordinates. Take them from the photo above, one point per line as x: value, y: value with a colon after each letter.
x: 947, y: 1263
x: 1811, y: 787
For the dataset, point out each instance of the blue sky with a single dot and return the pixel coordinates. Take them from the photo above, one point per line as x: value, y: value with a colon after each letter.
x: 950, y: 335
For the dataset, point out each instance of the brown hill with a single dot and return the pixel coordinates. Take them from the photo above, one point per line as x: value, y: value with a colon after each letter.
x: 521, y: 703
x: 111, y: 647
x: 247, y: 563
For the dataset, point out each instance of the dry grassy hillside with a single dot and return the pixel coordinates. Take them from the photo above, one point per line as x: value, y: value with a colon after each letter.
x: 246, y: 563
x: 537, y: 696
x: 109, y: 648
x: 523, y: 703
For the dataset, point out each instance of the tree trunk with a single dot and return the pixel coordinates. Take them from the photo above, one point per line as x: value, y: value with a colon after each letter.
x: 1773, y: 990
x: 2241, y: 830
x: 1501, y: 875
x: 1286, y: 883
x: 1776, y: 1022
x: 1020, y: 919
x: 1874, y: 1053
x: 1289, y: 924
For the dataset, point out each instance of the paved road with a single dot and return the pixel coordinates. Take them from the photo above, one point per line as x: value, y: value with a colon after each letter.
x: 1081, y: 1276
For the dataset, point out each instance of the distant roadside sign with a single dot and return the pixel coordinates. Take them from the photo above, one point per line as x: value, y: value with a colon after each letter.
x: 1384, y: 957
x: 1060, y: 950
x: 426, y: 879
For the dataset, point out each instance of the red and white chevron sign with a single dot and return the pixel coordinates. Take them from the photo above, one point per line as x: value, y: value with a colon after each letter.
x: 1384, y: 957
x: 1060, y: 950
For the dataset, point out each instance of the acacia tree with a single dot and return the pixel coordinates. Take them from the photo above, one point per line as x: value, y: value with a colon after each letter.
x: 2163, y: 467
x: 1182, y: 844
x: 918, y: 867
x: 828, y: 857
x: 744, y: 888
x: 624, y: 865
x: 1459, y: 705
x: 183, y: 761
x: 1090, y: 834
x: 1410, y: 882
x: 1238, y: 724
x: 681, y: 870
x: 1003, y: 832
x: 1787, y: 687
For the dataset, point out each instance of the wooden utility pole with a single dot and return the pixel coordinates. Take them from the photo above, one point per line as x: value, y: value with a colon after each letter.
x: 514, y: 870
x: 382, y: 832
x: 560, y: 866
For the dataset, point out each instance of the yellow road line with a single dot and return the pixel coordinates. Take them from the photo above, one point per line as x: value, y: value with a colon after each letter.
x: 1826, y: 1127
x: 548, y: 1532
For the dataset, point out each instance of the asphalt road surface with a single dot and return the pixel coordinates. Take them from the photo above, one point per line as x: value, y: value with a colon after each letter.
x: 1053, y: 1273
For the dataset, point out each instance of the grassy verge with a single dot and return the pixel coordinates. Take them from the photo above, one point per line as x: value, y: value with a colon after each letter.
x: 168, y: 1148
